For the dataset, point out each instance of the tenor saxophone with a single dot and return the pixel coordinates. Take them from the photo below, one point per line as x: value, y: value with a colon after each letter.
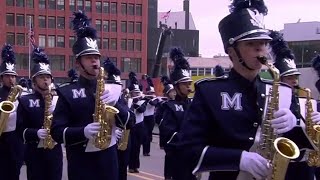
x: 278, y: 150
x: 104, y: 114
x: 7, y: 107
x: 48, y: 142
x: 313, y: 131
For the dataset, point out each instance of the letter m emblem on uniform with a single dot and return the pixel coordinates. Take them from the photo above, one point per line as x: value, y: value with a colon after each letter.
x: 78, y: 93
x: 34, y: 103
x: 228, y: 102
x: 179, y: 107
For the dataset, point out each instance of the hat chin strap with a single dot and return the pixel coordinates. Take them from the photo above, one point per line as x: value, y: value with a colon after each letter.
x: 84, y: 69
x: 241, y: 61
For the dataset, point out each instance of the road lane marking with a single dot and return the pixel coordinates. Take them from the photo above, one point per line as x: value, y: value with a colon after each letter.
x: 153, y: 175
x: 142, y: 177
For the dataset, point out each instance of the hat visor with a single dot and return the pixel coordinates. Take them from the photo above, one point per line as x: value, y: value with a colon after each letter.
x: 89, y: 52
x: 9, y: 73
x: 256, y: 36
x: 291, y: 73
x: 41, y: 73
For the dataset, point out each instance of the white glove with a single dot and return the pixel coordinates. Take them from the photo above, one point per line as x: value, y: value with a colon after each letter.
x: 42, y: 133
x: 91, y: 130
x: 111, y: 94
x: 255, y: 164
x: 284, y: 121
x: 315, y: 116
x: 119, y: 133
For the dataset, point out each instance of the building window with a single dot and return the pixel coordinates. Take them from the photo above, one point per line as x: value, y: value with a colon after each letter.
x: 52, y: 22
x: 123, y: 8
x: 131, y: 64
x: 71, y: 41
x: 30, y: 19
x: 21, y: 39
x: 23, y: 62
x: 20, y: 20
x: 201, y: 71
x: 57, y: 62
x: 131, y: 9
x: 123, y: 44
x: 113, y: 8
x: 72, y: 5
x: 20, y: 3
x: 30, y: 3
x: 194, y: 71
x: 98, y: 7
x: 88, y: 6
x: 51, y: 41
x: 10, y: 19
x: 52, y: 4
x: 207, y: 71
x: 113, y: 26
x: 60, y: 41
x: 10, y: 2
x: 80, y: 4
x: 106, y: 26
x: 42, y: 40
x: 42, y: 22
x: 60, y: 4
x: 123, y: 26
x: 105, y: 43
x: 99, y: 43
x: 130, y: 44
x: 138, y: 9
x: 98, y: 24
x: 10, y: 38
x: 72, y: 59
x: 138, y: 27
x: 106, y: 7
x: 138, y: 45
x: 113, y: 44
x: 131, y: 27
x: 60, y: 23
x: 42, y: 4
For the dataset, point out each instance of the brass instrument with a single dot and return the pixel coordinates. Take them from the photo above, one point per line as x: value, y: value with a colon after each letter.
x: 279, y: 150
x: 123, y: 141
x: 313, y: 131
x: 103, y: 114
x: 7, y: 107
x: 48, y: 142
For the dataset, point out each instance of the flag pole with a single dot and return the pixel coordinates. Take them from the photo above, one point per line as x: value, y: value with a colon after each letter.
x: 29, y: 46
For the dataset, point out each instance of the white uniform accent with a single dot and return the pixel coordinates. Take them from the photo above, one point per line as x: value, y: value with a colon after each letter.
x: 195, y: 170
x: 12, y: 120
x: 149, y: 110
x: 139, y: 116
x: 91, y: 148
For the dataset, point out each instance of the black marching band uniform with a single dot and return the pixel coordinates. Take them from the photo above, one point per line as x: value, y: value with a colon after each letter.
x: 11, y: 146
x: 148, y: 120
x: 138, y: 105
x: 173, y: 115
x: 122, y: 124
x: 225, y: 113
x: 41, y: 163
x: 167, y: 89
x: 74, y: 110
x: 284, y: 62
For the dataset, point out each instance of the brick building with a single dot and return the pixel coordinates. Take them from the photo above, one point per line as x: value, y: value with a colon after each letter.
x: 121, y: 26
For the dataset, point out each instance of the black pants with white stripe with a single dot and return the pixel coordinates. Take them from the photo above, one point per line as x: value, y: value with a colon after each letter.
x: 136, y: 136
x: 149, y: 124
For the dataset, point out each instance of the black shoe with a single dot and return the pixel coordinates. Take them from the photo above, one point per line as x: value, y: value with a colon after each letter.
x: 136, y: 171
x: 146, y: 154
x: 133, y: 171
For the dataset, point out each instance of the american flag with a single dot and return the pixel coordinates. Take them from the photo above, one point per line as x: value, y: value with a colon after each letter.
x: 166, y: 15
x: 32, y: 40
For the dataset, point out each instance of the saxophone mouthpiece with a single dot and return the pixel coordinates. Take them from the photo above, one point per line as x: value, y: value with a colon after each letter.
x: 190, y: 91
x: 262, y: 59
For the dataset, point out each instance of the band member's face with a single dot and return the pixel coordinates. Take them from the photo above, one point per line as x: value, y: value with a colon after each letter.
x: 291, y: 80
x: 43, y: 81
x: 91, y: 64
x: 185, y: 88
x: 8, y: 80
x: 172, y: 94
x: 249, y: 51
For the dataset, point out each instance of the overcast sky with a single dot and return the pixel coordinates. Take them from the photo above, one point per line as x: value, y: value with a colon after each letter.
x: 208, y: 13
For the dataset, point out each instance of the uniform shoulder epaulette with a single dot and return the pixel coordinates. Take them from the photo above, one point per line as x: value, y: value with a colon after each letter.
x: 208, y: 79
x: 64, y: 85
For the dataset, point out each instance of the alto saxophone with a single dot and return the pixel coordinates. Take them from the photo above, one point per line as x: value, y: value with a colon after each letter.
x: 48, y: 142
x: 313, y: 132
x: 7, y: 107
x: 104, y: 114
x: 278, y: 150
x: 123, y: 142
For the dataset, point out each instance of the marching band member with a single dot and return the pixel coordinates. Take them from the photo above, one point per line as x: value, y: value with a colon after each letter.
x: 222, y: 121
x: 289, y: 74
x: 73, y: 122
x: 169, y: 93
x: 24, y: 84
x: 174, y: 110
x: 138, y: 106
x: 123, y: 125
x: 148, y: 119
x: 11, y: 146
x: 42, y: 162
x: 218, y: 71
x: 72, y: 74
